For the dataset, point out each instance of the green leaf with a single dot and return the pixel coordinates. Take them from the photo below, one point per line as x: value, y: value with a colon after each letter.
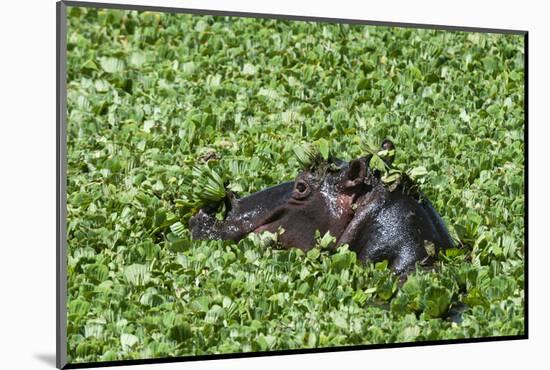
x: 323, y: 148
x: 341, y: 322
x: 305, y: 154
x: 127, y: 341
x: 327, y: 240
x: 411, y: 333
x: 391, y: 177
x: 137, y: 274
x: 110, y: 355
x: 148, y: 125
x: 78, y: 307
x: 93, y: 330
x: 377, y: 163
x: 111, y: 65
x: 266, y: 342
x: 98, y: 272
x: 178, y: 229
x: 417, y: 172
x: 89, y: 65
x: 436, y: 301
x: 137, y: 59
x: 249, y: 69
x: 188, y: 68
x: 181, y: 331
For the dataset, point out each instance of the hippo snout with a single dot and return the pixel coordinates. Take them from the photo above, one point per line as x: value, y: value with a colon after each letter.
x: 205, y: 226
x: 202, y: 226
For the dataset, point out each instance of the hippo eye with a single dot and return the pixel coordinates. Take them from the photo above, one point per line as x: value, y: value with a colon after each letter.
x: 301, y: 190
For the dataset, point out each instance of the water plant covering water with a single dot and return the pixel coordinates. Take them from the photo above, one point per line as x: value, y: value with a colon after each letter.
x: 166, y: 112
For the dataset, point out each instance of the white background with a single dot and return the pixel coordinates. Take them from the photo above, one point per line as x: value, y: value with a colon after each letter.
x: 27, y: 182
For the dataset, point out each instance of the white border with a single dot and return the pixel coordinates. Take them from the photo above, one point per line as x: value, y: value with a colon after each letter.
x: 27, y: 185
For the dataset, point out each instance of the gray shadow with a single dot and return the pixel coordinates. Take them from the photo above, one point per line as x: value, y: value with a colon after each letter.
x: 47, y: 358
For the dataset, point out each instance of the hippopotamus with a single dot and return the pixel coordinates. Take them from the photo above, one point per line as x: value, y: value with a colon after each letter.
x: 348, y: 199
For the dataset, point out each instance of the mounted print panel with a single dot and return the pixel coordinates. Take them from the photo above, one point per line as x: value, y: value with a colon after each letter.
x: 241, y: 185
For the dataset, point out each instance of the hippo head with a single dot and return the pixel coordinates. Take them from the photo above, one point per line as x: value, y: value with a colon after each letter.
x: 321, y: 198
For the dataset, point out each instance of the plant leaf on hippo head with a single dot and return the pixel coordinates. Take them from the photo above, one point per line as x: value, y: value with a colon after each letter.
x: 316, y: 157
x: 306, y: 154
x: 324, y: 149
x: 204, y: 186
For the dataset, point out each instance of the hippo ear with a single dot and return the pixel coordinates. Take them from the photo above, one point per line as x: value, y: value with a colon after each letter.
x: 387, y: 144
x: 355, y: 173
x: 388, y: 149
